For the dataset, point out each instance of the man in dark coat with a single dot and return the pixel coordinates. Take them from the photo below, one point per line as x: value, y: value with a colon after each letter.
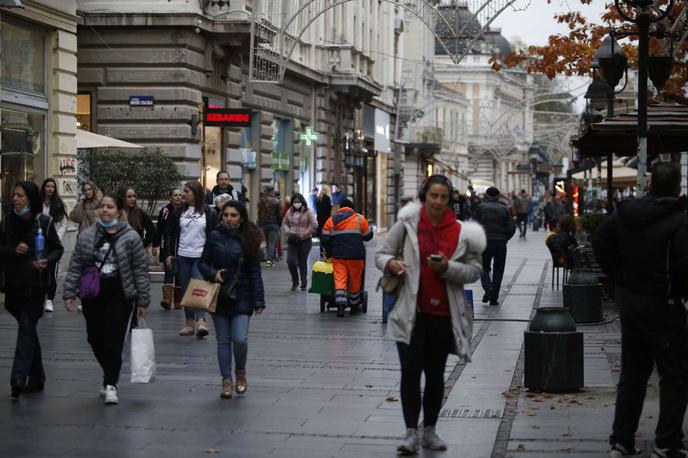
x: 644, y: 250
x: 499, y: 227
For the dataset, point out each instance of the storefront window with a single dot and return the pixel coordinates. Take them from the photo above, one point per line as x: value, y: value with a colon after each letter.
x: 83, y: 112
x: 282, y: 148
x: 23, y: 58
x: 22, y: 154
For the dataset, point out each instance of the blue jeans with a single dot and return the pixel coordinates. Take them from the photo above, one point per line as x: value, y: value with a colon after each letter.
x: 232, y: 334
x: 187, y: 268
x: 169, y: 274
x: 271, y: 234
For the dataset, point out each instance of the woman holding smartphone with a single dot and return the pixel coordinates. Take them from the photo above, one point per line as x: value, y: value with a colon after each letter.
x: 430, y: 318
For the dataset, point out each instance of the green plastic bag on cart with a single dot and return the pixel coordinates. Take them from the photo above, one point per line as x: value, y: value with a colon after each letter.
x: 322, y: 281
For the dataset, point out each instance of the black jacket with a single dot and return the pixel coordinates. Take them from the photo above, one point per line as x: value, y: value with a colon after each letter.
x: 163, y: 218
x: 644, y: 247
x: 16, y: 271
x: 172, y: 230
x: 223, y: 250
x: 496, y: 220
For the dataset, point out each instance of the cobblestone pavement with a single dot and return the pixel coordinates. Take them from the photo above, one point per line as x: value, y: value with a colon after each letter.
x: 319, y: 386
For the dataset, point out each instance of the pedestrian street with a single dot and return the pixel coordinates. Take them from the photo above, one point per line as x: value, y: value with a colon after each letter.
x: 319, y: 386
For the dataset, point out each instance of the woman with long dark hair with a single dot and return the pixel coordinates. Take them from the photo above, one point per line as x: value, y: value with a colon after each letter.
x: 116, y: 249
x: 26, y: 280
x: 185, y: 236
x: 232, y: 257
x: 299, y: 225
x: 54, y: 207
x: 136, y: 217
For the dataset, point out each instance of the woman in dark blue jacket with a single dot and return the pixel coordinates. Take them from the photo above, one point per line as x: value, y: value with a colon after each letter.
x: 232, y: 257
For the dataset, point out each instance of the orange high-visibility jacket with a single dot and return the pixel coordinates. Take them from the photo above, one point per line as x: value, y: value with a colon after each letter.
x: 344, y: 233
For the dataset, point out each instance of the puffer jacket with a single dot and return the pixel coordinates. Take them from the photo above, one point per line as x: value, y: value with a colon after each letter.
x: 465, y: 266
x: 301, y: 223
x: 223, y: 250
x: 132, y: 262
x: 495, y: 219
x: 344, y: 233
x: 644, y: 247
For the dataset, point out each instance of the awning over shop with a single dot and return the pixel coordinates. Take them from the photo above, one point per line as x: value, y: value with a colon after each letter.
x: 622, y: 176
x: 667, y: 133
x: 89, y: 140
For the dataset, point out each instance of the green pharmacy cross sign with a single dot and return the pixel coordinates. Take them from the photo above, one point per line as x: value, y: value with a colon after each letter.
x: 309, y: 137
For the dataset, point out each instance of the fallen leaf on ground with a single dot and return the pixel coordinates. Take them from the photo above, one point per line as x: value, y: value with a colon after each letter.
x: 391, y: 398
x: 521, y: 447
x: 492, y: 334
x: 369, y: 386
x: 212, y: 450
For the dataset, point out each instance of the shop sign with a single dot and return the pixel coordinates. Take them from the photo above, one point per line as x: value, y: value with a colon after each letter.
x: 280, y: 161
x: 248, y: 158
x: 309, y: 137
x: 141, y: 101
x: 221, y: 117
x: 382, y: 131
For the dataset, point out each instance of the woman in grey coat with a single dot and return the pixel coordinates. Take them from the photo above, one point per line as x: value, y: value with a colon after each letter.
x: 115, y: 248
x: 430, y: 318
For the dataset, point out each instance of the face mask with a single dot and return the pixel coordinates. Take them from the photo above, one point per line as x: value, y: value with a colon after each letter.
x: 23, y: 212
x: 113, y: 222
x: 297, y: 205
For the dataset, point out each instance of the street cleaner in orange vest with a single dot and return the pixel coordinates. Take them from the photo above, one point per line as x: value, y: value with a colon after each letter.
x: 342, y: 239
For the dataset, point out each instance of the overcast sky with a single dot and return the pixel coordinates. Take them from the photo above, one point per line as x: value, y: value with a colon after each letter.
x: 533, y: 22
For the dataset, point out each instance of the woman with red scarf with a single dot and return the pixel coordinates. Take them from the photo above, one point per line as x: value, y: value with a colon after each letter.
x: 430, y: 318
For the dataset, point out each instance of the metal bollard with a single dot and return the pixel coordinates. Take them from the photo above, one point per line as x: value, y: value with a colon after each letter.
x: 583, y: 296
x: 553, y: 352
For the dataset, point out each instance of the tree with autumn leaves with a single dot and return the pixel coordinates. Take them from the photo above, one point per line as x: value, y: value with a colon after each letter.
x: 572, y: 53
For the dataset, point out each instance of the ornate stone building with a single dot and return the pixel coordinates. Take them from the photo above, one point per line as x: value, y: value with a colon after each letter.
x: 186, y: 59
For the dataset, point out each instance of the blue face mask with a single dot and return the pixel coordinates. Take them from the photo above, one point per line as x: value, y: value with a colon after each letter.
x: 22, y: 213
x: 113, y: 222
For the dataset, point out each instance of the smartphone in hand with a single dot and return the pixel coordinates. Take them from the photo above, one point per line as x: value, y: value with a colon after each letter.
x: 436, y: 257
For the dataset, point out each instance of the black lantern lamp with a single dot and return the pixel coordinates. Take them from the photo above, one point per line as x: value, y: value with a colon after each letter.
x: 612, y: 61
x: 349, y: 153
x: 598, y: 93
x: 659, y: 67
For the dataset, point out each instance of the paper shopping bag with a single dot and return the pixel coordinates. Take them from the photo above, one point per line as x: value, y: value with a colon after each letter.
x: 201, y: 295
x: 142, y: 355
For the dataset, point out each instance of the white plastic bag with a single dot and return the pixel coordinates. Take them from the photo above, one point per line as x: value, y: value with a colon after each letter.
x: 142, y: 354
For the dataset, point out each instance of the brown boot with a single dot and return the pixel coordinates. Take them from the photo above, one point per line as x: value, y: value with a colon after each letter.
x: 226, y: 392
x: 167, y: 296
x: 241, y: 384
x: 188, y: 329
x: 178, y: 297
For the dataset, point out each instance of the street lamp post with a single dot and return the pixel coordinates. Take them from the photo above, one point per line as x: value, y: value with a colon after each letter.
x: 611, y: 61
x: 643, y: 20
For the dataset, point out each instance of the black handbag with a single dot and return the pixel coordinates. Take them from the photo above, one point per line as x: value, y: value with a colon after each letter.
x: 228, y: 294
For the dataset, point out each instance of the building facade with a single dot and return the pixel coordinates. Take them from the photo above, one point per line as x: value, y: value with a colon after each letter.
x: 38, y: 88
x: 189, y: 63
x: 499, y: 119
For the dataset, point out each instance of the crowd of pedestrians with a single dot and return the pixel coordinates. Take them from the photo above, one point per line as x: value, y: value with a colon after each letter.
x: 442, y: 240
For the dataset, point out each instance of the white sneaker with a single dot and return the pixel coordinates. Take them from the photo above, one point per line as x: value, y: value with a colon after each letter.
x: 431, y: 440
x: 111, y: 395
x: 409, y: 444
x: 48, y: 306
